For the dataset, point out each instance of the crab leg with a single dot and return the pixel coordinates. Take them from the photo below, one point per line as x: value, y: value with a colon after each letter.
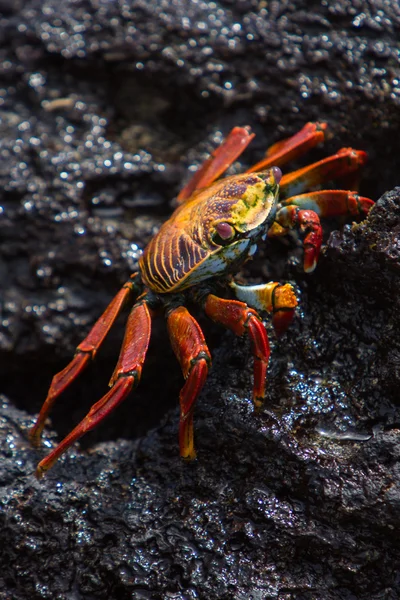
x: 331, y: 203
x: 346, y: 161
x: 273, y: 297
x: 222, y: 157
x: 84, y: 353
x: 126, y: 375
x: 293, y: 147
x: 191, y: 350
x: 236, y: 142
x: 241, y: 319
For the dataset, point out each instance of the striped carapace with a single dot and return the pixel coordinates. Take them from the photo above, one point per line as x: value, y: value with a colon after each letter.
x: 189, y: 247
x: 215, y: 228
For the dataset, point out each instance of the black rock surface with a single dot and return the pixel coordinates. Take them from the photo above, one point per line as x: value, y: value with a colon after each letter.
x: 104, y: 106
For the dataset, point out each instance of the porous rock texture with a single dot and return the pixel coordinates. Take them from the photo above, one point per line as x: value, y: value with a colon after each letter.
x: 105, y: 106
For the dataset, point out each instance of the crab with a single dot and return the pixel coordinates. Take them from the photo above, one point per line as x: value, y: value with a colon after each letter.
x: 216, y: 227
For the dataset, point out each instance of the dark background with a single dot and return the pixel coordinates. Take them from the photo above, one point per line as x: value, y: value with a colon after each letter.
x: 103, y: 108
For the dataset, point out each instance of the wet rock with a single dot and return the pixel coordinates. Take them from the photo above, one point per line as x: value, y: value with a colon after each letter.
x: 104, y: 107
x: 369, y: 253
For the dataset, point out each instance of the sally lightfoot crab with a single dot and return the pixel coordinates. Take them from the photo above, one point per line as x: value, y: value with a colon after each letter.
x: 215, y: 229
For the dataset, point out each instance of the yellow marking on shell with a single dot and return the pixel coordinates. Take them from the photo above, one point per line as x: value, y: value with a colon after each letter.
x: 246, y: 212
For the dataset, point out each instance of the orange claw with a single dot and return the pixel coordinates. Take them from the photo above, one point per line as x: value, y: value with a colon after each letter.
x: 284, y: 304
x: 273, y: 297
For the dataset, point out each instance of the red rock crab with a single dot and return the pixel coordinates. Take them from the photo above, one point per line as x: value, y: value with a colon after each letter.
x: 194, y: 256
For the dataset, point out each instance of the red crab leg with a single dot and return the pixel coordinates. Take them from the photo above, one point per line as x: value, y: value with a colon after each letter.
x: 346, y: 161
x: 293, y: 147
x: 242, y: 320
x: 236, y: 142
x: 191, y: 350
x: 84, y: 353
x: 222, y: 157
x: 126, y: 375
x: 332, y: 203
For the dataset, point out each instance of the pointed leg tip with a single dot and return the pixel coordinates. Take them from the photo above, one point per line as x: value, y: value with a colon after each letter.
x: 40, y: 471
x: 258, y: 403
x: 47, y: 463
x: 321, y: 125
x: 310, y: 260
x: 190, y: 457
x: 310, y: 268
x: 189, y: 454
x: 35, y: 436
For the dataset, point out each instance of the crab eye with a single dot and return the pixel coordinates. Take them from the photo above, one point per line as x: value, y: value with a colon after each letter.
x: 277, y: 174
x: 223, y: 233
